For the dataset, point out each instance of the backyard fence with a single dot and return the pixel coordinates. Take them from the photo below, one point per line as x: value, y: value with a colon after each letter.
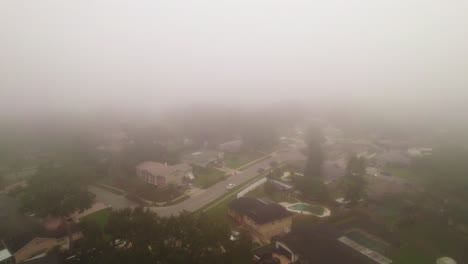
x: 251, y: 187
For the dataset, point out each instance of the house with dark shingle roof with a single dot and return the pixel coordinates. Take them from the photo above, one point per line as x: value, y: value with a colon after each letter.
x: 328, y: 243
x: 317, y: 244
x: 204, y: 158
x: 263, y: 220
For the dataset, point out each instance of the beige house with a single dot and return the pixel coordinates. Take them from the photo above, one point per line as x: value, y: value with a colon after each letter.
x: 231, y: 146
x: 204, y: 158
x: 162, y: 174
x: 33, y: 240
x: 262, y: 220
x: 39, y: 245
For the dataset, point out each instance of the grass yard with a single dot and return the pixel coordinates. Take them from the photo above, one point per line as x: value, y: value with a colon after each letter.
x: 301, y: 220
x: 218, y: 209
x: 399, y: 171
x: 218, y: 213
x: 409, y: 254
x: 236, y: 160
x: 206, y: 177
x: 100, y: 217
x: 426, y: 241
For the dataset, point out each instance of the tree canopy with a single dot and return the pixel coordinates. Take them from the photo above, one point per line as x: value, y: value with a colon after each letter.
x: 443, y: 176
x: 311, y: 184
x: 354, y: 184
x: 57, y: 191
x: 141, y: 236
x: 311, y: 188
x: 314, y: 161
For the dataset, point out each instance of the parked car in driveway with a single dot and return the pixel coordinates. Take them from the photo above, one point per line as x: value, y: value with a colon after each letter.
x: 230, y: 186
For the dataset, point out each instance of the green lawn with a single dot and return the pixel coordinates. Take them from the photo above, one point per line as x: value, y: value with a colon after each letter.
x: 99, y: 217
x: 236, y: 160
x: 301, y: 220
x: 410, y: 254
x: 206, y: 177
x: 399, y: 171
x: 426, y: 241
x: 217, y: 210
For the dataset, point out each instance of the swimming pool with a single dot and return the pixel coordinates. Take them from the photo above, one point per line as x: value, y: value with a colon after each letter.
x: 307, y: 209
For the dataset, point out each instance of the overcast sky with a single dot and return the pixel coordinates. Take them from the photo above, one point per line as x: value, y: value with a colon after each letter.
x: 88, y: 54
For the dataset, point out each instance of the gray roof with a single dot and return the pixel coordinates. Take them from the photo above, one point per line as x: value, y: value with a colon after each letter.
x: 159, y: 169
x: 201, y: 158
x: 319, y: 244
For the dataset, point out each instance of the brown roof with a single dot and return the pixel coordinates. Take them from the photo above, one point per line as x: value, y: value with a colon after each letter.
x: 157, y: 168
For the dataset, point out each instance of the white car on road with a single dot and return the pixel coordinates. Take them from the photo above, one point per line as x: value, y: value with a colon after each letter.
x: 230, y: 186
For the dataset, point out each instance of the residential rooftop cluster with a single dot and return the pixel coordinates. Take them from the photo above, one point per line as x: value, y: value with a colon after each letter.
x: 298, y: 197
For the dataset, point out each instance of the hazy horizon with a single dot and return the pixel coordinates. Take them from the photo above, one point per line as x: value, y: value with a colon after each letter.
x: 152, y: 55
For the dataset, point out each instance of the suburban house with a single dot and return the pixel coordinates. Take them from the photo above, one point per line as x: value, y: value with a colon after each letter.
x: 204, y: 158
x: 262, y: 220
x: 327, y: 243
x: 231, y: 146
x: 30, y: 239
x: 316, y: 244
x: 391, y: 157
x: 40, y: 245
x: 419, y: 152
x: 159, y: 174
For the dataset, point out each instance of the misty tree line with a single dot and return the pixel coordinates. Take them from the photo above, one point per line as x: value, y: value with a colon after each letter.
x: 312, y: 186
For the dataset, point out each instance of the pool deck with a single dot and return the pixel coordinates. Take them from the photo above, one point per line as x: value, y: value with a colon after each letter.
x: 326, y: 211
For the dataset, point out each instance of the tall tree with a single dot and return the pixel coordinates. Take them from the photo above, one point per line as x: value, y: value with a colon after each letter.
x: 311, y: 184
x: 354, y: 184
x: 311, y: 188
x: 57, y: 192
x: 314, y: 160
x: 314, y: 133
x: 314, y: 139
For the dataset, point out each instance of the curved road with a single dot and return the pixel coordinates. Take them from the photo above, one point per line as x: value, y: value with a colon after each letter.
x: 215, y: 191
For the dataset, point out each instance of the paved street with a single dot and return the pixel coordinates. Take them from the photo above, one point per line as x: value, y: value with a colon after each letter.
x: 219, y: 189
x: 201, y: 198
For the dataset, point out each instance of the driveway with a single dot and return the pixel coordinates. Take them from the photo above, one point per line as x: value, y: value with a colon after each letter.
x: 107, y: 197
x: 219, y: 189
